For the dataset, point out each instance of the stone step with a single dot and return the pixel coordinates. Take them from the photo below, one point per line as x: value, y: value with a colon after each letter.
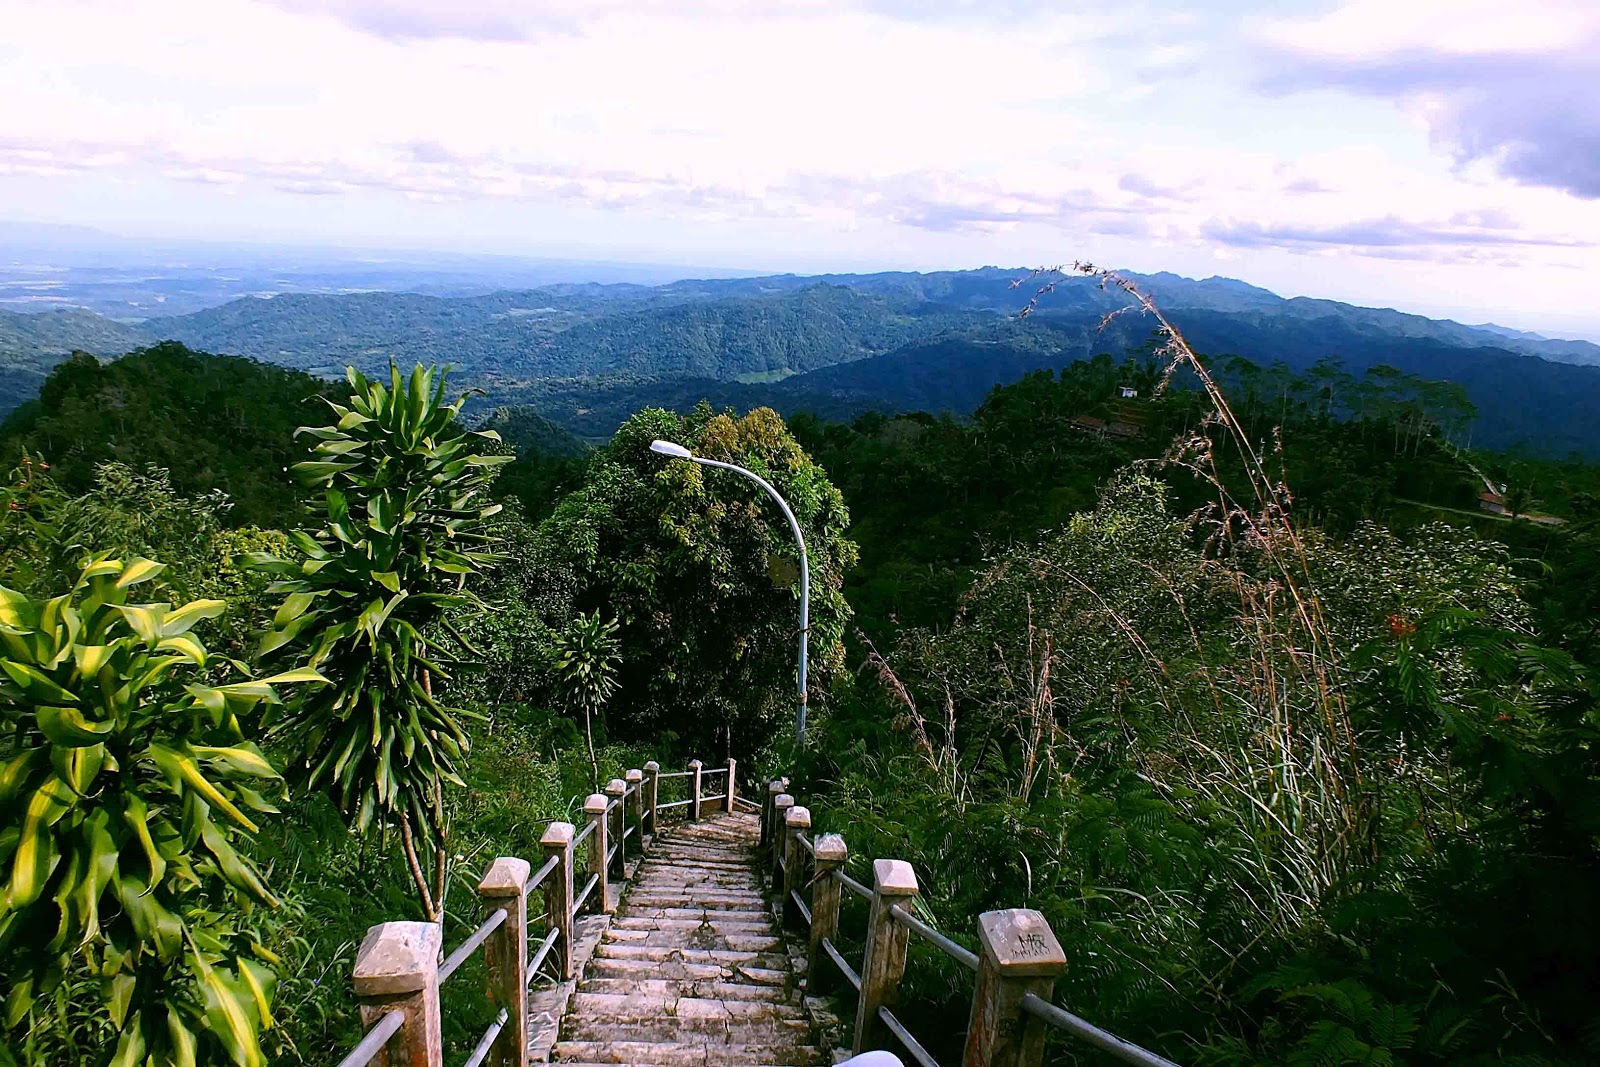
x: 714, y: 921
x: 664, y: 954
x: 631, y: 911
x: 656, y: 898
x: 673, y: 1006
x: 696, y: 937
x: 674, y: 1054
x: 687, y: 971
x: 713, y: 988
x: 722, y: 1030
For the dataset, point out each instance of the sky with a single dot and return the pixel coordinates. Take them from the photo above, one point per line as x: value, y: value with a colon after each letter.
x: 1440, y: 156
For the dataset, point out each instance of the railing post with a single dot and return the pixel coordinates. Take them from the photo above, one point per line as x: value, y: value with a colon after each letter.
x: 652, y: 790
x: 616, y: 797
x: 780, y: 813
x: 397, y: 969
x: 599, y: 865
x: 557, y: 842
x: 1020, y: 955
x: 694, y: 790
x: 773, y: 789
x: 797, y: 822
x: 825, y: 893
x: 506, y: 956
x: 893, y: 882
x: 635, y: 782
x: 732, y: 789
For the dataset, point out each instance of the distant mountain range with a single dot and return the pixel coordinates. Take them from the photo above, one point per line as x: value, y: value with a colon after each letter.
x: 586, y: 354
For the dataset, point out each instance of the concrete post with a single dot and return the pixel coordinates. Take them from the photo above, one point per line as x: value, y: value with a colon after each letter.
x: 694, y: 790
x: 652, y: 796
x: 773, y: 789
x: 595, y: 808
x: 1019, y: 955
x: 557, y: 842
x: 733, y: 789
x: 825, y: 896
x: 397, y: 969
x: 797, y: 822
x: 635, y: 782
x: 616, y: 791
x: 893, y: 882
x: 506, y: 956
x: 780, y: 814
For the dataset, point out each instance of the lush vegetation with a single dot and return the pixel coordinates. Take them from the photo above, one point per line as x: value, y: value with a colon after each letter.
x: 1293, y: 744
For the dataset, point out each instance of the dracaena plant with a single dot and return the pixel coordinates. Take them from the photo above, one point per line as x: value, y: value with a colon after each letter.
x: 125, y: 780
x: 403, y: 497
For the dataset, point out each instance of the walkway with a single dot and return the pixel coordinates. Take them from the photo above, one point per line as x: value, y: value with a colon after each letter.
x: 692, y: 971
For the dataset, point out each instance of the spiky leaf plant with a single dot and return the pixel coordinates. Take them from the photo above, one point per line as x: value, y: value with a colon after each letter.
x: 585, y: 663
x: 125, y: 778
x: 404, y: 494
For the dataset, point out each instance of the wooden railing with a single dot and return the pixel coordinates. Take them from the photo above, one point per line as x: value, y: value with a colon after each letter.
x: 400, y: 968
x: 1016, y: 967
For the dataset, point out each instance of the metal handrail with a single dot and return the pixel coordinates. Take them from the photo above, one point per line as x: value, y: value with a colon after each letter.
x: 674, y: 774
x: 851, y: 884
x: 713, y: 770
x: 611, y: 855
x: 800, y: 903
x: 913, y: 1046
x: 1087, y: 1032
x: 478, y: 937
x: 966, y: 957
x: 628, y: 831
x: 848, y: 971
x: 713, y: 796
x: 577, y: 905
x: 585, y: 832
x: 550, y: 939
x: 541, y: 874
x: 377, y: 1037
x: 806, y: 842
x: 674, y: 804
x: 486, y: 1042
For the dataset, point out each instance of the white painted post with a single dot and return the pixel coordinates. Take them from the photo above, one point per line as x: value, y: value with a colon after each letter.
x: 652, y: 788
x: 694, y: 790
x: 732, y: 789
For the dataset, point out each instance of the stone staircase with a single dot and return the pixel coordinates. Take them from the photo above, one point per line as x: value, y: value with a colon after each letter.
x: 692, y: 971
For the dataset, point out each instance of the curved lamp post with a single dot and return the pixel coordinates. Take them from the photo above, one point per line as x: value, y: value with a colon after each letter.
x: 676, y: 451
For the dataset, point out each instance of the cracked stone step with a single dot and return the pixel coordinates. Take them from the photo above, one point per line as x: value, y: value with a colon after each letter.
x: 697, y: 914
x: 716, y: 923
x: 664, y: 954
x: 700, y: 937
x: 683, y: 970
x: 685, y: 1054
x: 711, y: 988
x: 667, y: 1029
x: 639, y: 1006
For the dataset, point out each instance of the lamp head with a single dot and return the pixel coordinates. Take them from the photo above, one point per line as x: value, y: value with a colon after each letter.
x: 668, y: 448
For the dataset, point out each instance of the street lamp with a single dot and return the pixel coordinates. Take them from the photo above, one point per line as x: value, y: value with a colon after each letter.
x: 676, y: 451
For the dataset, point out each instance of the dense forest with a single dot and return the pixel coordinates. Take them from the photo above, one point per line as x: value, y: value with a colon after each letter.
x: 588, y: 356
x: 1218, y: 663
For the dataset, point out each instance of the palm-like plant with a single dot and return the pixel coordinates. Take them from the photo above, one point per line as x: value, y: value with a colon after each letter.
x: 586, y: 659
x: 404, y: 494
x: 122, y: 789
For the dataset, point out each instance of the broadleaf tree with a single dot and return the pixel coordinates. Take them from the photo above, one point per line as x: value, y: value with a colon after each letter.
x: 696, y: 566
x: 125, y: 781
x: 404, y: 495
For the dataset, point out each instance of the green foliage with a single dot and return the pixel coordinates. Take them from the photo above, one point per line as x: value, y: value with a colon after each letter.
x: 214, y: 423
x: 119, y: 748
x: 585, y: 661
x: 404, y: 502
x: 681, y: 556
